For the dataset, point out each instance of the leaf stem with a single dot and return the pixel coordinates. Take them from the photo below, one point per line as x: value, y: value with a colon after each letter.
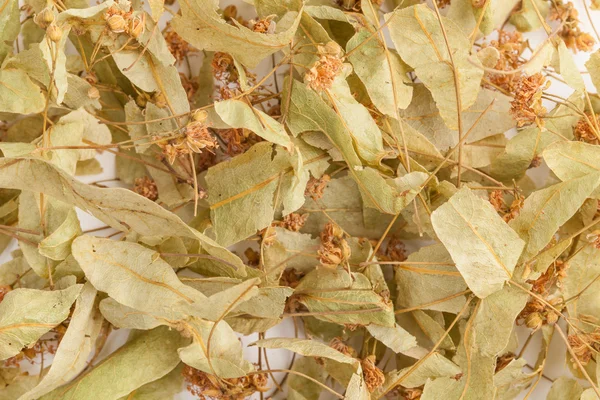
x: 457, y: 90
x: 434, y: 348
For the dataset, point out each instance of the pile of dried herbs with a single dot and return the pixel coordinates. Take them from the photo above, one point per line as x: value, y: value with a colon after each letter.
x: 401, y: 181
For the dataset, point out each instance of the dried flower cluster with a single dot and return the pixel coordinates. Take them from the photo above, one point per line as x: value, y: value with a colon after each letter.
x: 570, y: 31
x: 527, y: 108
x: 264, y: 25
x: 585, y: 346
x: 146, y: 187
x: 294, y: 221
x: 373, y: 376
x: 543, y: 308
x: 195, y: 139
x: 510, y: 46
x: 206, y: 386
x: 178, y: 47
x: 588, y: 129
x: 119, y: 20
x: 334, y: 249
x: 329, y: 65
x: 316, y: 186
x: 348, y: 199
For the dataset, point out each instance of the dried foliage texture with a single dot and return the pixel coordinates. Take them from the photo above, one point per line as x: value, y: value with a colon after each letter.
x: 301, y: 199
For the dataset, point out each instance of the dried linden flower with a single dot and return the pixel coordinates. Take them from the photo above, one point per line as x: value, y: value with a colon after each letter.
x: 44, y: 18
x: 321, y: 75
x: 54, y: 33
x: 374, y: 377
x: 116, y: 23
x: 527, y: 106
x: 146, y: 187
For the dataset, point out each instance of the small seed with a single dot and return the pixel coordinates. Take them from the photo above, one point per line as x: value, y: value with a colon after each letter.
x: 116, y: 23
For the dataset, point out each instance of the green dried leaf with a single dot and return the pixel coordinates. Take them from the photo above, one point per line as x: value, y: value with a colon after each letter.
x: 9, y: 27
x: 424, y: 284
x: 219, y: 304
x: 526, y: 18
x: 382, y: 72
x: 582, y: 284
x: 250, y: 183
x: 203, y: 27
x: 423, y: 115
x: 24, y: 98
x: 148, y: 357
x: 357, y: 121
x: 27, y: 314
x: 395, y: 338
x: 76, y: 346
x: 134, y: 276
x: 308, y: 112
x: 226, y: 358
x: 307, y: 348
x: 238, y: 114
x: 522, y: 149
x: 119, y: 208
x: 536, y: 224
x: 486, y: 249
x: 593, y: 66
x: 336, y: 297
x: 418, y: 37
x: 570, y: 160
x: 565, y: 64
x: 300, y: 388
x: 565, y: 389
x: 164, y: 388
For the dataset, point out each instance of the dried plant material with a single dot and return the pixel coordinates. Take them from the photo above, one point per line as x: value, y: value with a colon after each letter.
x: 510, y: 46
x: 285, y: 180
x: 527, y: 107
x: 26, y: 317
x: 570, y: 31
x: 207, y: 386
x: 146, y: 187
x: 372, y: 375
x: 423, y: 45
x: 204, y: 28
x: 321, y: 75
x: 484, y: 233
x: 155, y: 350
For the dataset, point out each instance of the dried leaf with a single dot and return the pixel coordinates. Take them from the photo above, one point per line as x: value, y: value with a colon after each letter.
x: 77, y: 344
x: 381, y: 71
x: 419, y: 39
x: 27, y: 314
x: 148, y: 357
x: 537, y: 225
x: 117, y: 207
x: 204, y: 28
x: 238, y: 114
x: 487, y: 249
x: 134, y: 276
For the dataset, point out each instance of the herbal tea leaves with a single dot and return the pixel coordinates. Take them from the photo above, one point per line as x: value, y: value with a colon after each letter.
x: 354, y: 199
x: 438, y: 51
x: 487, y: 249
x: 27, y: 314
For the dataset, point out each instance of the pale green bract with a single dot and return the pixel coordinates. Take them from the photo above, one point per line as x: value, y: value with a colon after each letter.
x: 204, y: 28
x: 27, y: 314
x: 418, y: 37
x: 117, y: 207
x: 117, y: 376
x: 487, y: 250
